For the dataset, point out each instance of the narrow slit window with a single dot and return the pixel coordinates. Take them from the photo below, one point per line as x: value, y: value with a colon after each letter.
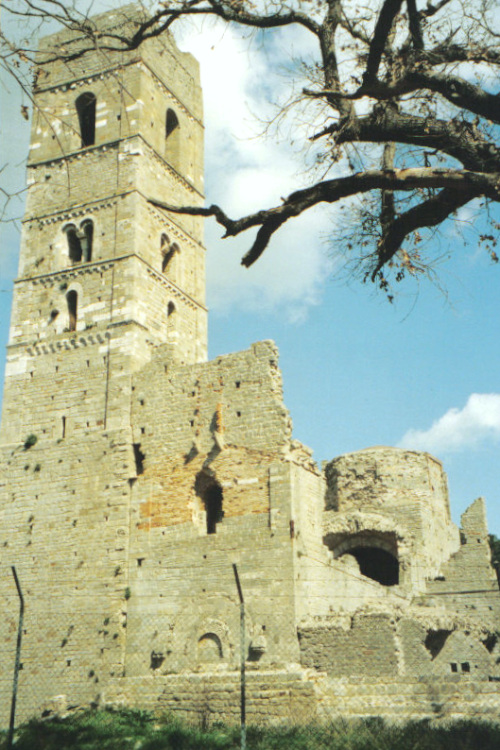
x: 167, y: 253
x: 171, y: 124
x: 74, y: 244
x: 86, y: 239
x: 172, y: 138
x: 86, y: 107
x: 171, y: 315
x: 168, y: 265
x: 213, y: 507
x: 139, y: 458
x: 72, y: 300
x: 167, y: 261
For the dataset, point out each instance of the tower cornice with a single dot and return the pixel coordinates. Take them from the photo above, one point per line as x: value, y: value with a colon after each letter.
x: 66, y: 274
x: 84, y: 209
x: 79, y: 154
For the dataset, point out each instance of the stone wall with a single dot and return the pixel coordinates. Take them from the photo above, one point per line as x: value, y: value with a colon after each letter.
x: 179, y: 69
x: 219, y: 424
x: 467, y: 582
x: 64, y: 527
x: 398, y: 484
x: 362, y: 646
x: 408, y: 699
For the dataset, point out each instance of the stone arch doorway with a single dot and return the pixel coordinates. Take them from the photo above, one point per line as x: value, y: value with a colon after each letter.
x: 375, y: 554
x: 376, y: 563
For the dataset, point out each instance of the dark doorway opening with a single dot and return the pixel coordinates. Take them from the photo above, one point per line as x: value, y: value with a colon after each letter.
x: 377, y: 564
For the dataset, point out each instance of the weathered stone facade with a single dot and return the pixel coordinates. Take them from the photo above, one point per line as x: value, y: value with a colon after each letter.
x: 135, y: 473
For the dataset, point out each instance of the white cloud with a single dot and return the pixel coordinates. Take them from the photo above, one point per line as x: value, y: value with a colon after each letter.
x: 247, y: 171
x: 287, y: 279
x: 479, y: 420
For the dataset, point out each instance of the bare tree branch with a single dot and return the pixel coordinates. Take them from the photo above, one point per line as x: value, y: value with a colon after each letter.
x: 460, y: 140
x: 429, y: 213
x: 462, y: 182
x: 415, y: 27
x: 459, y: 92
x: 388, y: 13
x: 431, y: 9
x: 391, y: 77
x: 453, y: 53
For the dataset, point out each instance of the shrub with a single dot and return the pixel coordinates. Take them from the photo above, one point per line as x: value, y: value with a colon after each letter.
x: 30, y: 441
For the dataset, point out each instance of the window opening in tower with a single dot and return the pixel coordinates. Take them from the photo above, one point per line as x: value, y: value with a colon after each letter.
x: 86, y: 107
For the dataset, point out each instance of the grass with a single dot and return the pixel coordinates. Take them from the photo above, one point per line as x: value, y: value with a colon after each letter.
x: 139, y: 730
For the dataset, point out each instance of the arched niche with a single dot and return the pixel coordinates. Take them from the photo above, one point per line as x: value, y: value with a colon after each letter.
x: 210, y: 649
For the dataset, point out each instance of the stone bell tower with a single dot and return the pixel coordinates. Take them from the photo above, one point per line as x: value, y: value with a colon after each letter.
x: 105, y: 279
x: 104, y: 276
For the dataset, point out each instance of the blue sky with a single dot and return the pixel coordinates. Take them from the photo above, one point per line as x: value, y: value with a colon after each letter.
x: 358, y: 371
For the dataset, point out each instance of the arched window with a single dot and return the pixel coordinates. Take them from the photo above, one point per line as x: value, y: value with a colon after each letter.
x: 85, y: 107
x: 86, y: 237
x: 72, y: 300
x: 166, y: 252
x: 74, y: 245
x: 167, y: 261
x: 164, y: 242
x: 372, y: 552
x: 171, y: 123
x: 172, y: 138
x: 209, y: 491
x: 80, y: 241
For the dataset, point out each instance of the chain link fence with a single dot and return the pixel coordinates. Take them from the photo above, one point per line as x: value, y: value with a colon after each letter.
x: 238, y: 659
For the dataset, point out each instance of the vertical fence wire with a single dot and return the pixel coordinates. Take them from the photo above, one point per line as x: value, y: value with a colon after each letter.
x: 17, y: 663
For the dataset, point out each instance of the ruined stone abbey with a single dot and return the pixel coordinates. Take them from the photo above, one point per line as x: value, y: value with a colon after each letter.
x: 135, y: 474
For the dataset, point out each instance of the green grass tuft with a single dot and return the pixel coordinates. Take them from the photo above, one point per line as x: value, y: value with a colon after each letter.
x: 129, y: 729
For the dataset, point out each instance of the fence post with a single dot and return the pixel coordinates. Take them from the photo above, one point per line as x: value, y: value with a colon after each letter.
x: 17, y: 664
x: 243, y: 659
